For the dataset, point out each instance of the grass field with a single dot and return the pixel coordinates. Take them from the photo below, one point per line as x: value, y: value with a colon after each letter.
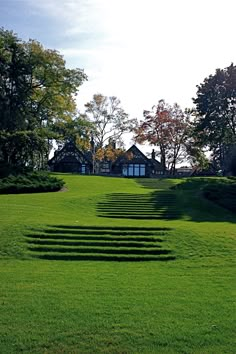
x: 116, y: 265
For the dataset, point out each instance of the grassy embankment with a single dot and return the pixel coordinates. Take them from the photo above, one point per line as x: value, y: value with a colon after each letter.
x: 117, y: 266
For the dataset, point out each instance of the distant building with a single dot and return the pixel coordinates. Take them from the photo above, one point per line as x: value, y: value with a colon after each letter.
x: 70, y: 159
x: 133, y: 163
x: 184, y: 171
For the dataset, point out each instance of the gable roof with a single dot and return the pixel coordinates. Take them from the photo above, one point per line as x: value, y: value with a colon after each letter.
x: 137, y: 152
x: 137, y: 157
x: 69, y: 149
x: 156, y: 164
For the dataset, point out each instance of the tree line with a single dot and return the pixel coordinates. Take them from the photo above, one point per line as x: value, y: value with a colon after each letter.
x: 38, y: 107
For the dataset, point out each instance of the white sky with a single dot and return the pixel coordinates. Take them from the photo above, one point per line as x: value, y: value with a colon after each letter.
x: 140, y: 51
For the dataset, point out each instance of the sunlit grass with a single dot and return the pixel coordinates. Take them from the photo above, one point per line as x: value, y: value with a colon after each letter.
x: 182, y: 305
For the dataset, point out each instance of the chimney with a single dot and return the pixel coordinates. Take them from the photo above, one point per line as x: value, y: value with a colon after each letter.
x: 92, y: 145
x: 112, y: 143
x: 153, y: 154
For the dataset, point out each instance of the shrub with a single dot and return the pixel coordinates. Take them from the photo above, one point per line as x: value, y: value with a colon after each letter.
x: 223, y: 194
x: 34, y: 182
x: 7, y: 169
x: 220, y: 190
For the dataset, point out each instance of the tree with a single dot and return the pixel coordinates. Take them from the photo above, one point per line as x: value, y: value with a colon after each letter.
x: 109, y: 153
x: 109, y: 120
x: 76, y: 129
x: 36, y: 90
x: 14, y: 82
x: 54, y: 86
x: 216, y: 112
x: 22, y: 148
x: 166, y: 127
x: 195, y: 153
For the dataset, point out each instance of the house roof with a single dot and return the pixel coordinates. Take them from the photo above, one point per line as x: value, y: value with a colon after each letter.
x: 68, y: 149
x: 136, y: 151
x: 156, y: 164
x: 138, y: 156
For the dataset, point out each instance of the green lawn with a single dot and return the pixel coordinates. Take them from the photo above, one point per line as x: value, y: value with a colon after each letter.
x: 117, y: 265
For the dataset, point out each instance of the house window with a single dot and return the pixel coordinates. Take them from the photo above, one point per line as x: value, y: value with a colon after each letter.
x: 83, y: 169
x: 134, y: 170
x: 105, y: 167
x: 142, y: 170
x: 130, y: 170
x: 125, y: 170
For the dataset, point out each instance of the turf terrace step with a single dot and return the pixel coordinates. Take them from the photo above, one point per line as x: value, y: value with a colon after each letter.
x: 109, y: 228
x: 82, y: 249
x: 102, y: 232
x: 103, y: 257
x: 147, y: 238
x: 96, y: 237
x: 156, y: 205
x: 68, y: 242
x: 147, y: 217
x: 93, y: 243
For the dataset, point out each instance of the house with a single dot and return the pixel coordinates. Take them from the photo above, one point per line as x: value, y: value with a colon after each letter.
x: 70, y: 159
x: 184, y: 171
x: 157, y: 167
x: 133, y: 163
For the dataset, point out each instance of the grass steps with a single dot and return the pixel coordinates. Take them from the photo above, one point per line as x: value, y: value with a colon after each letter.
x: 109, y: 228
x: 99, y: 232
x: 86, y: 237
x: 156, y: 205
x: 105, y: 244
x: 110, y: 250
x: 61, y: 242
x: 102, y: 257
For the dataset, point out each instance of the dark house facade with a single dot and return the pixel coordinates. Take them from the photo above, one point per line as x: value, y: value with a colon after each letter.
x: 70, y: 159
x: 133, y: 163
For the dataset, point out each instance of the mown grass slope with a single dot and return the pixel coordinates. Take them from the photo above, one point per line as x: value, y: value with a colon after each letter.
x: 116, y: 266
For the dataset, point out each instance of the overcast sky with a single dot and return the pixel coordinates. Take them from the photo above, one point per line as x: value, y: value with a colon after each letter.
x: 138, y: 50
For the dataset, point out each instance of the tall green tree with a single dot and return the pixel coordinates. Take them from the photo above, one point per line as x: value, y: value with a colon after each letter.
x: 216, y: 112
x: 36, y: 91
x: 76, y: 129
x: 15, y: 83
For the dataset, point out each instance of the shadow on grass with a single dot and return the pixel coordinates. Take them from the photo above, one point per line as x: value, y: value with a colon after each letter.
x: 110, y: 229
x: 118, y: 258
x: 200, y: 199
x: 198, y: 183
x: 156, y: 183
x: 156, y: 205
x: 210, y: 198
x: 65, y: 242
